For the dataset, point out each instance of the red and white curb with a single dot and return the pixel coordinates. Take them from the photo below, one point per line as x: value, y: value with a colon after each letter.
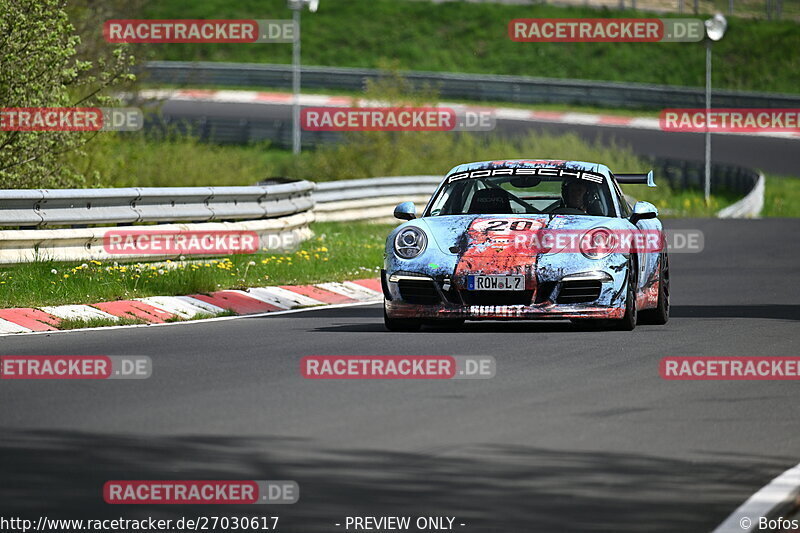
x: 160, y: 309
x: 504, y: 113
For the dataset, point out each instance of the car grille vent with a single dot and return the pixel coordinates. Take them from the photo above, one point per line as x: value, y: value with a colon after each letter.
x: 579, y: 291
x: 421, y: 291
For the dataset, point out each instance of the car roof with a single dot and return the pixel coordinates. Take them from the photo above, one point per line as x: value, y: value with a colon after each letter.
x: 532, y: 163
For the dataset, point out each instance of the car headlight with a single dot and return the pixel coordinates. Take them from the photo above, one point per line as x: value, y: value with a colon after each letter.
x: 598, y: 243
x: 410, y: 242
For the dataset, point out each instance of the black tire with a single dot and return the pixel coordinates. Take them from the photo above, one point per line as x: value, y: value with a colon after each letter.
x: 660, y: 315
x: 628, y: 321
x: 400, y: 324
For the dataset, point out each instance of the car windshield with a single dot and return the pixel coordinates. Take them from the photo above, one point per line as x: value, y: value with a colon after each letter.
x: 587, y: 194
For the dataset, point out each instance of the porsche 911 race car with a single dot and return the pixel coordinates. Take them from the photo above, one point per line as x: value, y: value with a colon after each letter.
x: 527, y: 239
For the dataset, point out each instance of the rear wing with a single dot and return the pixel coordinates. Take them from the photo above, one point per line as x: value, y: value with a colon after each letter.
x: 643, y: 179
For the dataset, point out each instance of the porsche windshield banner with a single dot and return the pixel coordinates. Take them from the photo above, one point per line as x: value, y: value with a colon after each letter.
x: 542, y: 172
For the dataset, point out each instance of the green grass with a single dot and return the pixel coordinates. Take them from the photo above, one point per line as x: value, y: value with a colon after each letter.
x: 132, y: 160
x: 337, y: 252
x: 755, y: 55
x: 781, y: 197
x: 674, y: 203
x: 201, y: 316
x: 135, y: 161
x: 79, y: 323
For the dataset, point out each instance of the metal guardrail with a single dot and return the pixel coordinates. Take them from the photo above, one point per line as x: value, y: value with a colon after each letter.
x: 80, y: 207
x: 336, y: 191
x: 375, y: 198
x: 84, y: 244
x: 282, y: 210
x: 465, y: 86
x: 370, y: 198
x: 748, y: 207
x: 277, y: 213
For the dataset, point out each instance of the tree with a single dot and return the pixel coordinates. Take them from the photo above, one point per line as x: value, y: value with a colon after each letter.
x: 41, y: 65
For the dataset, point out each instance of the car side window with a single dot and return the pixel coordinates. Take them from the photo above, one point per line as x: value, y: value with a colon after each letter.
x: 624, y: 206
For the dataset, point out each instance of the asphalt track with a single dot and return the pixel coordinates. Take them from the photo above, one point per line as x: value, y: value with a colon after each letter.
x: 776, y: 155
x: 576, y: 432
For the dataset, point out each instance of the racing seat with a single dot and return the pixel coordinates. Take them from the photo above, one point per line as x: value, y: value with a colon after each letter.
x: 491, y: 201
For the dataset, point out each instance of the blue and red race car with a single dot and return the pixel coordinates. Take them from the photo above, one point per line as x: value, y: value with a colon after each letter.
x: 527, y: 239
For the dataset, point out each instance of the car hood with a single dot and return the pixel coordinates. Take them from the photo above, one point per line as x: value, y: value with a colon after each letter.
x: 477, y: 234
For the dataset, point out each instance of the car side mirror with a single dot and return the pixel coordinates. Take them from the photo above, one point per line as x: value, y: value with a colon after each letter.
x: 405, y: 211
x: 643, y: 211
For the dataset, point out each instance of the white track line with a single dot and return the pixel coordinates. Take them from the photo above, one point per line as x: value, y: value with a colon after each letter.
x: 781, y: 490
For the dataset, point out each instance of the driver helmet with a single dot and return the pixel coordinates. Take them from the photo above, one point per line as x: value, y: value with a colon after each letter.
x: 572, y: 183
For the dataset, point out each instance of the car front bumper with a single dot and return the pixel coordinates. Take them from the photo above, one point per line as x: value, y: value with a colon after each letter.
x: 410, y: 295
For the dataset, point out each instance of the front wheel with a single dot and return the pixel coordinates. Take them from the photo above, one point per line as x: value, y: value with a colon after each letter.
x: 660, y: 315
x: 400, y: 324
x: 628, y: 321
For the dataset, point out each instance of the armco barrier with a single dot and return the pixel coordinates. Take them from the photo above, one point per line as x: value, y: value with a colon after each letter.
x: 371, y: 198
x: 465, y: 86
x: 278, y: 213
x: 84, y: 244
x: 748, y: 207
x: 70, y: 207
x: 282, y: 210
x: 375, y: 198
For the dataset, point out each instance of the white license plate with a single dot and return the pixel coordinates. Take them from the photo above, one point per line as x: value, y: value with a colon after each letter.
x: 495, y: 283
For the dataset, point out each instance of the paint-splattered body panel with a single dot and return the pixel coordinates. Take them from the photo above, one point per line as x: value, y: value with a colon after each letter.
x: 435, y: 284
